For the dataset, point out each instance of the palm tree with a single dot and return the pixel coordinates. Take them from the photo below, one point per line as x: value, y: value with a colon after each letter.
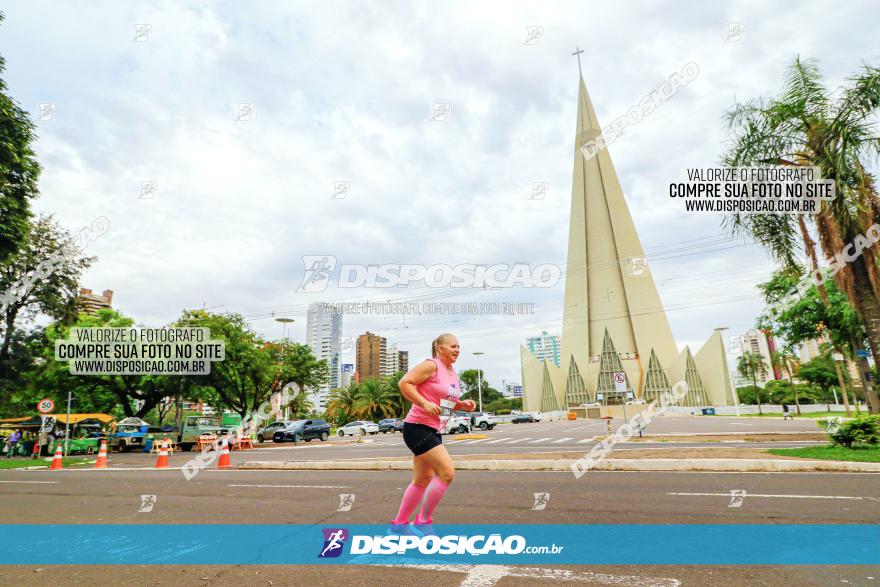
x: 786, y: 361
x: 806, y: 126
x: 374, y: 400
x: 341, y: 404
x: 749, y: 365
x: 401, y: 404
x: 300, y: 406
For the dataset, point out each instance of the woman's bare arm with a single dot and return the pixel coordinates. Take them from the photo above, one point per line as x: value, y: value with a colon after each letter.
x: 417, y: 375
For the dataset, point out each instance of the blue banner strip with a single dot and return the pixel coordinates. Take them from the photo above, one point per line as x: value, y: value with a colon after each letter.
x: 625, y: 544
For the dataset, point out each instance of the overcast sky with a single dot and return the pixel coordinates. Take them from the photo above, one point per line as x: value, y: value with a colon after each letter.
x: 345, y: 92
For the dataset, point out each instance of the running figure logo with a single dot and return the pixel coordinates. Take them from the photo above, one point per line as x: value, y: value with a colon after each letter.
x: 736, y: 498
x: 147, y: 503
x: 346, y: 500
x: 334, y: 540
x: 318, y: 269
x: 541, y: 500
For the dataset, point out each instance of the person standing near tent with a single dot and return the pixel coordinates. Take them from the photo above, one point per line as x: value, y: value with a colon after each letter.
x: 12, y: 443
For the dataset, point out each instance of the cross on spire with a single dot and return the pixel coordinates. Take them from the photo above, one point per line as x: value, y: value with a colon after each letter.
x: 577, y: 53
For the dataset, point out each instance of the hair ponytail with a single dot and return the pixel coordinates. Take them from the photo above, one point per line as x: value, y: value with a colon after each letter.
x: 437, y: 342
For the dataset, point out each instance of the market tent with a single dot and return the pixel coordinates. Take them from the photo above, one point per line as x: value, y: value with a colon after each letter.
x: 76, y: 418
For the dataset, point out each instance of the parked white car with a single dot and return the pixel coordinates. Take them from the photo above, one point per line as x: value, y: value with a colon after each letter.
x: 457, y: 425
x: 358, y: 427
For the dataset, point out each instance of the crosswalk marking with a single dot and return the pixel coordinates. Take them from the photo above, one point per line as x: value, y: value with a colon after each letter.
x: 586, y: 440
x: 540, y: 440
x: 561, y: 440
x: 498, y: 440
x: 519, y: 439
x: 478, y: 440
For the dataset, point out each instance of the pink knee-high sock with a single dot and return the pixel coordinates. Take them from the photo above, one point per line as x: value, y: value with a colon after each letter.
x: 411, y: 498
x: 436, y: 490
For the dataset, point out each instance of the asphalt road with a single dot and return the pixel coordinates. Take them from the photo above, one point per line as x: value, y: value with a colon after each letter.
x: 302, y: 497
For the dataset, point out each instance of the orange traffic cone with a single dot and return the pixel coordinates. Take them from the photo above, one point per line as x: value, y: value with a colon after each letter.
x: 101, y: 463
x: 162, y: 461
x: 57, y: 461
x: 224, y: 462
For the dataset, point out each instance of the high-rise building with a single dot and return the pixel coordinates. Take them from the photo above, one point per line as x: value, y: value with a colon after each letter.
x: 544, y: 347
x: 369, y: 356
x: 323, y: 333
x: 391, y: 360
x: 90, y: 303
x: 759, y: 343
x: 614, y: 325
x: 809, y: 350
x: 512, y: 390
x: 403, y: 361
x: 347, y: 375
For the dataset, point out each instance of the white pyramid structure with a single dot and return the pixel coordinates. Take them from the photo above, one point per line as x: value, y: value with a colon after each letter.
x: 613, y: 319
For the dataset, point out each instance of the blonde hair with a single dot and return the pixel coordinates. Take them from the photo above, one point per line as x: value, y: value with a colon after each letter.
x: 438, y: 341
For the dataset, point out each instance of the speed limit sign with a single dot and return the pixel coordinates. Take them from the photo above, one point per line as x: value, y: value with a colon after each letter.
x: 45, y: 406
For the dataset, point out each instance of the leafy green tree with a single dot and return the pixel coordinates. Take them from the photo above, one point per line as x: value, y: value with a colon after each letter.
x: 301, y: 406
x: 809, y: 126
x: 469, y: 384
x: 820, y: 371
x: 19, y: 171
x: 341, y: 403
x: 31, y: 286
x: 401, y: 404
x: 749, y: 365
x: 375, y: 400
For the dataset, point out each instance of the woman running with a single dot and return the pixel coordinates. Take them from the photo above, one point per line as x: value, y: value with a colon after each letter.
x: 434, y: 390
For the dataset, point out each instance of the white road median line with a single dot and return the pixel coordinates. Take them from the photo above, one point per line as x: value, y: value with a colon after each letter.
x: 541, y: 440
x: 295, y: 486
x: 586, y: 440
x: 561, y: 440
x: 775, y: 495
x: 515, y: 440
x: 34, y: 482
x: 499, y: 440
x: 478, y: 440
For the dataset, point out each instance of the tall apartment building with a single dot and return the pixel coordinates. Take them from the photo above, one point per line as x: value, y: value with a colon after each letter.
x: 323, y: 334
x: 545, y: 347
x: 347, y: 375
x: 371, y: 356
x: 761, y: 344
x: 809, y: 350
x: 403, y: 361
x: 90, y: 303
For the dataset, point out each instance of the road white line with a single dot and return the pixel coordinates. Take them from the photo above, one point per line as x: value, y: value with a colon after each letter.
x: 520, y: 439
x: 34, y: 482
x: 586, y: 440
x: 499, y: 440
x: 476, y: 441
x: 540, y: 440
x: 297, y: 486
x: 741, y: 424
x: 561, y: 440
x: 784, y: 496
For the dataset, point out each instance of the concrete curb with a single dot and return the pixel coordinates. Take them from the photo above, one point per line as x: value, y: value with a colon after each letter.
x: 743, y: 465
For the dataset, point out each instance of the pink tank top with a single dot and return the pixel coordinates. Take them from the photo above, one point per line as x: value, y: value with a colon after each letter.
x: 441, y: 385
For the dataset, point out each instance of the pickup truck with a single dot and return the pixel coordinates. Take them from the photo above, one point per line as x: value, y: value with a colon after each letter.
x: 195, y: 426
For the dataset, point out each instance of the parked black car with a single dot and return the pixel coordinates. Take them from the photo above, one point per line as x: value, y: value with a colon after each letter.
x: 303, y: 430
x: 523, y: 418
x: 391, y: 425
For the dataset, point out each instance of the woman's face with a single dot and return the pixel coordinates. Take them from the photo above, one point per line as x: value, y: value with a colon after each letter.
x: 448, y: 349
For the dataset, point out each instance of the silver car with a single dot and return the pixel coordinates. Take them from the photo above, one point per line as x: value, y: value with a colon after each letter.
x: 269, y: 431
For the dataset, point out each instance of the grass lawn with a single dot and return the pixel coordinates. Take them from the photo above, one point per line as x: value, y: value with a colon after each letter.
x: 22, y: 463
x: 865, y: 454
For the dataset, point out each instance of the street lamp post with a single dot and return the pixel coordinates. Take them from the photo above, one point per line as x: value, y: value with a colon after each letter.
x: 284, y: 322
x: 721, y: 330
x: 479, y: 381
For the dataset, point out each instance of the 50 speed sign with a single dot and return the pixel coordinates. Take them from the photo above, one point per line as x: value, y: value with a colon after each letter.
x: 45, y: 406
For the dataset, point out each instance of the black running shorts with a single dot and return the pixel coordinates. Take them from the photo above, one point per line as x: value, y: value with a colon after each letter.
x: 420, y: 438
